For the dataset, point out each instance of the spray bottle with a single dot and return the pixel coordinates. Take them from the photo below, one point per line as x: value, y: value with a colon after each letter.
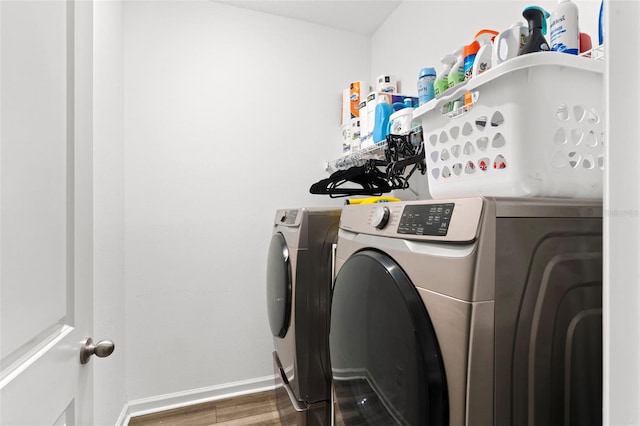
x: 483, y: 57
x: 456, y: 75
x: 537, y: 19
x: 442, y: 81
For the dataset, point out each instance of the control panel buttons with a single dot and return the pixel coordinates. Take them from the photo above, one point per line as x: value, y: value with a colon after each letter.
x: 427, y: 219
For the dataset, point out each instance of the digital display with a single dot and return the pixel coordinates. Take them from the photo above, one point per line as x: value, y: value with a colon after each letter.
x: 426, y: 219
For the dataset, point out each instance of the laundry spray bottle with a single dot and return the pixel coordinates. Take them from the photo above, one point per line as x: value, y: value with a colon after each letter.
x: 537, y: 19
x: 456, y: 75
x: 442, y: 80
x: 482, y: 61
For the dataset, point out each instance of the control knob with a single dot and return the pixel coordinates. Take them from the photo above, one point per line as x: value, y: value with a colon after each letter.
x: 380, y: 217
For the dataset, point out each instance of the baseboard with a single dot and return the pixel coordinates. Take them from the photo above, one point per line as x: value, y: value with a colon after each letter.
x: 170, y: 401
x: 124, y: 417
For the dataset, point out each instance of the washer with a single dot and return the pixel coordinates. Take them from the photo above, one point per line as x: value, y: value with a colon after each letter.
x: 299, y: 276
x: 473, y: 311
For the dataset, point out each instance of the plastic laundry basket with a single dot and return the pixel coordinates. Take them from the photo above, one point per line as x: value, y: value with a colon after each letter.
x: 533, y: 127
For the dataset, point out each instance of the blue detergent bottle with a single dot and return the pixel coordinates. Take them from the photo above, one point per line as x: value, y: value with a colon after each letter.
x: 381, y: 127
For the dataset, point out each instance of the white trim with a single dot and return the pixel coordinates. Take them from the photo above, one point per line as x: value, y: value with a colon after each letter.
x: 170, y: 401
x: 124, y: 417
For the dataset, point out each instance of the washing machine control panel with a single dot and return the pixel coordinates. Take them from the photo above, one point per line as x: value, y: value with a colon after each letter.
x: 451, y: 220
x: 426, y: 219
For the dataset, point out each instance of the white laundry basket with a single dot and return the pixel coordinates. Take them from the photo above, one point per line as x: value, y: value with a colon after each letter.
x: 534, y: 128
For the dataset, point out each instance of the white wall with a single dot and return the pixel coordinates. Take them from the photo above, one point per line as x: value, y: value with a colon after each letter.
x: 108, y: 191
x: 229, y: 114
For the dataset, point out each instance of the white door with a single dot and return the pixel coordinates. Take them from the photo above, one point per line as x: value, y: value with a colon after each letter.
x: 46, y: 212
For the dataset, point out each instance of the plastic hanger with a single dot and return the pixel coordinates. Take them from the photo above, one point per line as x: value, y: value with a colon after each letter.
x: 369, y: 178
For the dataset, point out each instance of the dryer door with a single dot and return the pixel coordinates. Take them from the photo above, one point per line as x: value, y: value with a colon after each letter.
x: 278, y: 286
x: 385, y: 359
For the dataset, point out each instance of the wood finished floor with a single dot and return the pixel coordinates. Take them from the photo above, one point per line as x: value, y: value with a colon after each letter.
x: 253, y: 409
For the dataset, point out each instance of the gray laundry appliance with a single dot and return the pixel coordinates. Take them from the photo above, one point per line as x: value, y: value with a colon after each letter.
x: 299, y: 278
x: 475, y: 311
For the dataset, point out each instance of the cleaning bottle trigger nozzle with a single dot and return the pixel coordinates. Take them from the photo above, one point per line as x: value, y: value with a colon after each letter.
x: 546, y: 16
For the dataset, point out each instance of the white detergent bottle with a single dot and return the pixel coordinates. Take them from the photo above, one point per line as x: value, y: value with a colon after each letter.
x: 565, y: 34
x: 508, y: 43
x: 482, y: 61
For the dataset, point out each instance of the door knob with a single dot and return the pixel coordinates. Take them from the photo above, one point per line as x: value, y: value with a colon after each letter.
x: 102, y: 349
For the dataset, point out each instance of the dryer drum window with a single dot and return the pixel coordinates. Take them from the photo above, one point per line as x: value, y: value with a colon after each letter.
x: 278, y: 286
x: 385, y: 359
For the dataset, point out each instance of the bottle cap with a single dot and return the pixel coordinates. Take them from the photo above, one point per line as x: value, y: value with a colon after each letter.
x: 545, y: 16
x: 427, y: 71
x: 585, y: 42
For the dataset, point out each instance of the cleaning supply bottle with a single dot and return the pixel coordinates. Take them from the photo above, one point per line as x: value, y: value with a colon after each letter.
x: 483, y: 57
x: 426, y: 80
x: 456, y: 75
x: 381, y: 127
x: 585, y: 44
x: 400, y: 122
x: 470, y: 52
x: 509, y: 43
x: 537, y: 19
x: 601, y: 24
x: 565, y: 35
x: 442, y: 80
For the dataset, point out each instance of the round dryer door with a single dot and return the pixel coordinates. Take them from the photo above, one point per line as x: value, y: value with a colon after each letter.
x: 278, y: 286
x: 385, y: 359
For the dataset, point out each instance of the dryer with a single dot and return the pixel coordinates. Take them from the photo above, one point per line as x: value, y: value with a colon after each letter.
x: 474, y: 311
x: 299, y: 277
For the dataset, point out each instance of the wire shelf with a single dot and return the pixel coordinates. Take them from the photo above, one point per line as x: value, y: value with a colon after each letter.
x: 595, y: 53
x: 357, y: 158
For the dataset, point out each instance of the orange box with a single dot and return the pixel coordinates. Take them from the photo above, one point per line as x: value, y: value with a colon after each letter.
x: 357, y: 93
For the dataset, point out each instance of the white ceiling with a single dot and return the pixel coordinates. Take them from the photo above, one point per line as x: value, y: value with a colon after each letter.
x: 359, y: 16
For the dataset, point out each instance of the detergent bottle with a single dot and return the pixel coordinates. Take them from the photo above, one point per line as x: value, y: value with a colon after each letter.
x: 509, y: 43
x: 482, y: 61
x: 383, y: 113
x: 565, y: 34
x: 537, y: 19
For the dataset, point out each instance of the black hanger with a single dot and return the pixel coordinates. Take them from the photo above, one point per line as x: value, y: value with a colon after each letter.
x: 370, y: 179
